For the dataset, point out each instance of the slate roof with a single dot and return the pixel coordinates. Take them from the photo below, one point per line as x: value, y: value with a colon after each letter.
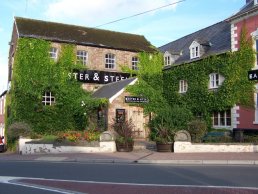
x: 248, y: 8
x: 111, y: 89
x: 81, y: 35
x: 215, y: 38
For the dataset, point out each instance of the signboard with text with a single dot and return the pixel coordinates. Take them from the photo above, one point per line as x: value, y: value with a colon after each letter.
x: 98, y: 77
x: 135, y: 99
x: 253, y: 75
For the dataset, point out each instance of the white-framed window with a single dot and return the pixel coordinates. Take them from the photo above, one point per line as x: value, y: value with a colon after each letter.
x: 48, y: 98
x: 53, y: 53
x: 167, y: 59
x: 194, y: 50
x: 183, y: 86
x: 255, y: 46
x: 110, y: 61
x: 222, y: 119
x: 256, y: 104
x: 256, y: 41
x: 81, y: 57
x: 135, y: 61
x: 215, y: 80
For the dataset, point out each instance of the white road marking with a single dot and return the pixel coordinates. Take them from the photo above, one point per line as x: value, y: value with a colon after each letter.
x: 8, y: 180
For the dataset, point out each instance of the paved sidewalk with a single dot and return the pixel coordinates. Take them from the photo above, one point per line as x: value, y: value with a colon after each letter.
x: 141, y: 158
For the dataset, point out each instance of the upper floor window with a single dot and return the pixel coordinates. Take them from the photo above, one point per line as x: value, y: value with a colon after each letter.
x: 256, y: 51
x: 135, y: 63
x: 53, y: 53
x: 81, y: 57
x: 222, y: 119
x: 194, y: 50
x: 48, y: 98
x: 167, y: 59
x: 215, y: 80
x: 183, y: 86
x: 110, y: 61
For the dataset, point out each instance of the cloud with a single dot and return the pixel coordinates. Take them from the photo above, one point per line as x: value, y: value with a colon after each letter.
x: 97, y: 12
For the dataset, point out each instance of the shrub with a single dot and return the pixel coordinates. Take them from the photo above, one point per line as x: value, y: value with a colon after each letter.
x: 18, y: 129
x: 167, y: 122
x: 197, y: 130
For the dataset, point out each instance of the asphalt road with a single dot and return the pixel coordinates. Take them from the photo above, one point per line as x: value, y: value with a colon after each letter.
x: 166, y: 175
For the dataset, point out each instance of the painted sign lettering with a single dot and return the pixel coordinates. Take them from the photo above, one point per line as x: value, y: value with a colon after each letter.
x: 135, y: 99
x: 98, y: 77
x: 253, y: 75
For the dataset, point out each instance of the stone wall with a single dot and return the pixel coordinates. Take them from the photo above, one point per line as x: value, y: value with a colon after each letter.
x: 29, y: 148
x: 188, y: 147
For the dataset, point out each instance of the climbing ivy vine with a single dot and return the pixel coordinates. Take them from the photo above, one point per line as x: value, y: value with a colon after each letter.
x: 34, y: 73
x: 236, y: 89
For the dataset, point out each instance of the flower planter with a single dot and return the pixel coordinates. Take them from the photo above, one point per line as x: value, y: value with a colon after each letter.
x: 164, y: 147
x: 124, y: 147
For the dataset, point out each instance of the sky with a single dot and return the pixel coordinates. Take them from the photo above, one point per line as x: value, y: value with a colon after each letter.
x: 159, y: 27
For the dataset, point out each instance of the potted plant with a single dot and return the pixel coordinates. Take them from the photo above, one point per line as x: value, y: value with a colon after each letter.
x: 124, y: 139
x: 166, y: 123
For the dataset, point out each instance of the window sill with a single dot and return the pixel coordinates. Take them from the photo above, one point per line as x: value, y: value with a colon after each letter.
x: 221, y: 127
x: 255, y: 122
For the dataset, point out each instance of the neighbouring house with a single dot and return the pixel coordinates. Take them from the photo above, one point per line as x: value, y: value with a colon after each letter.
x: 247, y: 17
x: 2, y: 113
x: 100, y: 54
x: 204, y: 72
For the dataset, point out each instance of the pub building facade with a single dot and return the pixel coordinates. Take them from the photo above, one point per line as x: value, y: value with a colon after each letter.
x: 102, y: 52
x: 215, y: 40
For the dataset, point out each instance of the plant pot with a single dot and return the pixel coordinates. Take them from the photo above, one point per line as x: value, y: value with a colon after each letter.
x: 124, y: 147
x: 164, y: 147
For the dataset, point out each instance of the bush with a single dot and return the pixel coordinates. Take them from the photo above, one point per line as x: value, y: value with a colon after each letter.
x: 197, y: 130
x: 18, y: 129
x: 167, y: 122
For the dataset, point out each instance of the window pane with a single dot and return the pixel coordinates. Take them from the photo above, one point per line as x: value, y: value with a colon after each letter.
x: 256, y: 52
x: 215, y: 119
x: 222, y: 118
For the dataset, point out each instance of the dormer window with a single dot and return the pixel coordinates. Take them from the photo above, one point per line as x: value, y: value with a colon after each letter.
x: 167, y: 59
x: 194, y: 50
x: 53, y: 53
x: 215, y: 80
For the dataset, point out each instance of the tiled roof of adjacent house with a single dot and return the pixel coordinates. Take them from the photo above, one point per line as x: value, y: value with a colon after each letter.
x: 81, y: 35
x: 249, y: 8
x: 215, y: 38
x: 111, y: 89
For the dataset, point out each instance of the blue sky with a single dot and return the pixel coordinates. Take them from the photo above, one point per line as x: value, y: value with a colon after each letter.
x: 159, y: 27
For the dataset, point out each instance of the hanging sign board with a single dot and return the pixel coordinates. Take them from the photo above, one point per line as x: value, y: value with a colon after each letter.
x: 98, y: 77
x: 253, y: 75
x: 135, y: 99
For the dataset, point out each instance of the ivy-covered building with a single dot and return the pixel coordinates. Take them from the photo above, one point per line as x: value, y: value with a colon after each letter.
x: 50, y: 63
x: 207, y: 74
x: 247, y: 17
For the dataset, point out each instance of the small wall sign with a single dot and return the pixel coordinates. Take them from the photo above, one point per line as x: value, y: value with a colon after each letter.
x: 253, y: 75
x: 98, y: 77
x: 135, y: 99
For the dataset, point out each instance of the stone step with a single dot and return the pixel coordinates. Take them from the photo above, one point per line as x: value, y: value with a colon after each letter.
x: 144, y: 145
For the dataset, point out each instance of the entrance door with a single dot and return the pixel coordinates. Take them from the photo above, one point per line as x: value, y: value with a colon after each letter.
x: 138, y: 120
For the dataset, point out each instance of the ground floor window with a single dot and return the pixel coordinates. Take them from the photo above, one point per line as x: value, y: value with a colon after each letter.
x: 222, y: 118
